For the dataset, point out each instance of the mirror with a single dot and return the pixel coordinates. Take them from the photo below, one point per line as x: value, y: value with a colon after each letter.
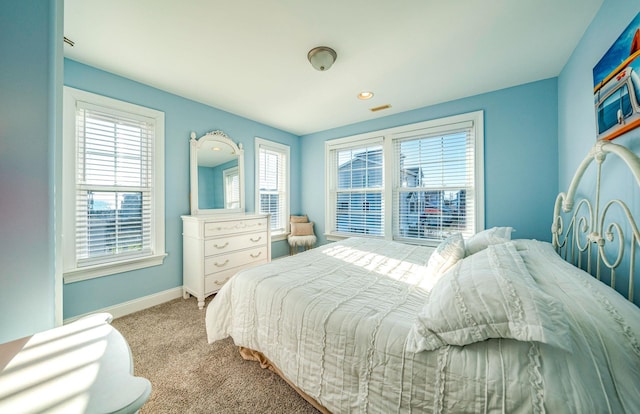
x: 217, y: 174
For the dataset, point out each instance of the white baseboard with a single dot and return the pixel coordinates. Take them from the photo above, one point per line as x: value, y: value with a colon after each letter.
x: 135, y: 305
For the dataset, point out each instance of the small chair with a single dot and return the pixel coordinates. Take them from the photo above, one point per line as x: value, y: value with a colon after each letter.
x: 301, y: 234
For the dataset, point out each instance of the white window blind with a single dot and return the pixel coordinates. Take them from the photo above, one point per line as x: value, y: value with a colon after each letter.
x: 113, y: 185
x: 357, y: 189
x: 231, y: 188
x: 433, y: 194
x: 273, y: 176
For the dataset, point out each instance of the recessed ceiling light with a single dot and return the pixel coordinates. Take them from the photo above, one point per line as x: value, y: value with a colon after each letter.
x: 364, y: 95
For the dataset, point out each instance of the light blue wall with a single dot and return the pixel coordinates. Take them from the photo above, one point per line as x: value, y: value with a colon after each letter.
x: 521, y: 163
x: 181, y: 117
x: 577, y: 123
x: 30, y: 77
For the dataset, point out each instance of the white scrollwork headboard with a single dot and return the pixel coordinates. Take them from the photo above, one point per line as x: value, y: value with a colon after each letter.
x: 600, y: 237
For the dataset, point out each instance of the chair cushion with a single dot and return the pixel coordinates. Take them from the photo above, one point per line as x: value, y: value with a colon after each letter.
x: 302, y: 229
x: 307, y: 241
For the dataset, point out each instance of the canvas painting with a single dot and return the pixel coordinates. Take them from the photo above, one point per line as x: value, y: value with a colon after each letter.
x: 616, y: 85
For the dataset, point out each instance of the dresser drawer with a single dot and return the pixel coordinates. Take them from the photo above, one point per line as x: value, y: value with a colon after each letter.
x: 233, y: 243
x: 213, y: 282
x: 222, y: 262
x: 222, y: 228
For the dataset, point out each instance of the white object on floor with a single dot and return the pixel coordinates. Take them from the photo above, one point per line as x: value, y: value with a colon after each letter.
x: 83, y: 367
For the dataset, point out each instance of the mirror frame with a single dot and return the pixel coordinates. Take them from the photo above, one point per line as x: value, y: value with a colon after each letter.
x: 195, y: 144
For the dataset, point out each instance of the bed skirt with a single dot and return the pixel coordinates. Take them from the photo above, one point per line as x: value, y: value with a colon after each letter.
x: 251, y: 355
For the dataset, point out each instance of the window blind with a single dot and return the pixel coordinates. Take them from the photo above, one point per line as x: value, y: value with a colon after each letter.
x: 113, y: 185
x: 231, y: 188
x: 272, y: 177
x: 433, y: 193
x: 357, y: 188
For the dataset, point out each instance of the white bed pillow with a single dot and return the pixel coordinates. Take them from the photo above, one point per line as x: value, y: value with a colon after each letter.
x: 448, y: 253
x: 485, y: 238
x: 489, y: 295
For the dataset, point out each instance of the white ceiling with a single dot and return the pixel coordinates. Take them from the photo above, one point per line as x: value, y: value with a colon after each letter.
x: 249, y: 57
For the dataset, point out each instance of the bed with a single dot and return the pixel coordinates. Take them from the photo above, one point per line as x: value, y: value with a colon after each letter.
x: 486, y: 324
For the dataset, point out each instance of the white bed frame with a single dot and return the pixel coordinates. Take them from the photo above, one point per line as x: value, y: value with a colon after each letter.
x: 591, y: 237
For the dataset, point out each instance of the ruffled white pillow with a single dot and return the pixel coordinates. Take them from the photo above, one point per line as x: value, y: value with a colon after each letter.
x: 489, y: 295
x: 480, y: 241
x: 448, y: 253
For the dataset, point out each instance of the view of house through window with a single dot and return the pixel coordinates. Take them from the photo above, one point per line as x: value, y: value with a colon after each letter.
x: 434, y: 174
x: 359, y: 193
x: 417, y: 183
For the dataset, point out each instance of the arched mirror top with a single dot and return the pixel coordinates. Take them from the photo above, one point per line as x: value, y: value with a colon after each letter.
x: 217, y: 174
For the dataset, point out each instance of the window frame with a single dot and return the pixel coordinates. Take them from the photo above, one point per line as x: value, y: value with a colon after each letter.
x: 285, y: 150
x: 333, y: 190
x: 390, y: 177
x: 67, y: 209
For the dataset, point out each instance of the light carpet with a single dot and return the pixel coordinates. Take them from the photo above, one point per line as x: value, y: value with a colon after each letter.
x: 188, y: 375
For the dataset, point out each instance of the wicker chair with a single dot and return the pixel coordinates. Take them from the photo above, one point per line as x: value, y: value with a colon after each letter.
x: 301, y: 234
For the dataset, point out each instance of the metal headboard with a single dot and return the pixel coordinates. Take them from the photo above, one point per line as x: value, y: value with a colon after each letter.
x: 591, y: 237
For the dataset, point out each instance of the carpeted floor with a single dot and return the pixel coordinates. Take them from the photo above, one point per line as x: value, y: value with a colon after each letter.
x: 188, y: 375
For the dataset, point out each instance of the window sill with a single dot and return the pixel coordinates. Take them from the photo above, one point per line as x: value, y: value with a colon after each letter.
x: 338, y: 237
x: 91, y: 272
x: 334, y: 237
x: 279, y: 236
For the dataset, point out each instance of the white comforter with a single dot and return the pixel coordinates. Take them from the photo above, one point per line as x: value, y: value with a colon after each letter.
x: 336, y: 319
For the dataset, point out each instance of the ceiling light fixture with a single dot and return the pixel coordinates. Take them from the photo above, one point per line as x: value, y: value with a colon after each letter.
x: 364, y: 95
x: 322, y: 57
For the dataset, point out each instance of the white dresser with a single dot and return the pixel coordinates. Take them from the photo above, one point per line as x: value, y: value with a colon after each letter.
x: 216, y: 247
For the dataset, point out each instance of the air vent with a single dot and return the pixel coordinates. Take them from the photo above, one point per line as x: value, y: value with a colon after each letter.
x: 380, y: 108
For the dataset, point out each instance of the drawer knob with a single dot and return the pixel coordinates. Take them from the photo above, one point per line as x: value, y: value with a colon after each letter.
x: 255, y: 255
x: 256, y: 240
x: 221, y: 247
x: 222, y: 264
x: 222, y: 282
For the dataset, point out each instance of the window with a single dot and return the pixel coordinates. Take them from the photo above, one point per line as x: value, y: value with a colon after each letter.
x: 113, y: 186
x: 417, y: 183
x: 358, y: 193
x: 231, y: 188
x: 272, y: 189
